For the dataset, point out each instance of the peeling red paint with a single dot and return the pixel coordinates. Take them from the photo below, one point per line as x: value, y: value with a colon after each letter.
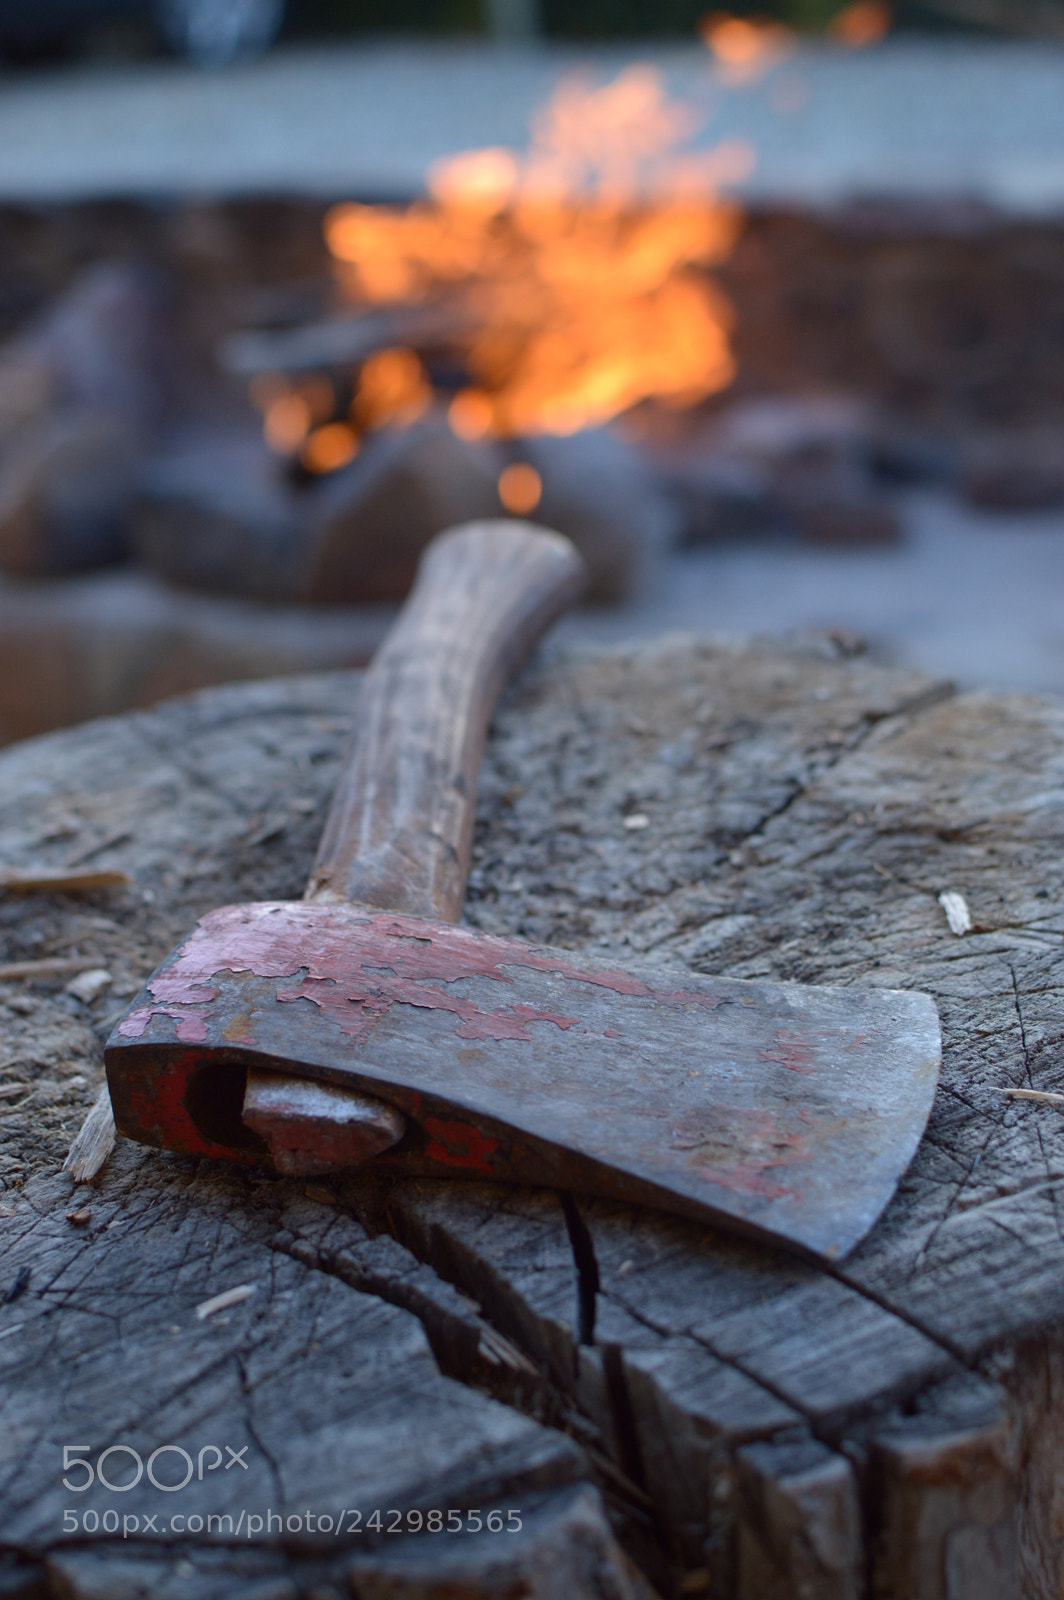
x: 749, y: 1178
x: 191, y: 1025
x: 736, y: 1146
x: 158, y: 1105
x: 168, y: 987
x: 355, y: 1008
x: 357, y: 964
x: 792, y: 1051
x: 459, y: 1144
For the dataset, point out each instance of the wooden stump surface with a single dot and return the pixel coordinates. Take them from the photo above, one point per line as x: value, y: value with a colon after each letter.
x: 669, y: 1410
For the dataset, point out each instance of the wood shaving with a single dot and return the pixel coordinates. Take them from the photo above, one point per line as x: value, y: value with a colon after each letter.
x: 957, y: 914
x: 227, y: 1298
x: 89, y: 986
x: 61, y: 880
x: 51, y: 966
x: 95, y: 1141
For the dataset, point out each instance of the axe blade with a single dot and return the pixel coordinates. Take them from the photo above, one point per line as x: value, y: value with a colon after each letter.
x: 787, y: 1111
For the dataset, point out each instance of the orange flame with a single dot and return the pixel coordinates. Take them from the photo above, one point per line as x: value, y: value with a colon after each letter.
x: 329, y: 447
x: 746, y: 48
x: 392, y: 390
x: 576, y: 273
x: 862, y: 23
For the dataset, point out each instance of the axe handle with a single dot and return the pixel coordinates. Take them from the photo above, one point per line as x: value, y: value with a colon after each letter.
x: 400, y: 829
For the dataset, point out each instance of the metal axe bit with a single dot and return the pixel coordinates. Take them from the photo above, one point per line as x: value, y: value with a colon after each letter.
x: 361, y: 1025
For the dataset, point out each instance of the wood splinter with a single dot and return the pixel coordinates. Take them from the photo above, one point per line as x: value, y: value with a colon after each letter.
x: 95, y: 1141
x: 1044, y: 1096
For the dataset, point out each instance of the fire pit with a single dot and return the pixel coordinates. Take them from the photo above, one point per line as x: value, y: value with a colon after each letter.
x: 280, y: 401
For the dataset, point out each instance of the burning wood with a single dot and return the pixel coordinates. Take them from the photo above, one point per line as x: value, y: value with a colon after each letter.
x: 541, y: 293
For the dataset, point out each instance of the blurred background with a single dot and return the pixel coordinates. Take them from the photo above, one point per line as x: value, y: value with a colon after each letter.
x: 764, y: 308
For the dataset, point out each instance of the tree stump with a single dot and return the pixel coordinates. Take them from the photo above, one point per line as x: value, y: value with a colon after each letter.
x: 662, y: 1408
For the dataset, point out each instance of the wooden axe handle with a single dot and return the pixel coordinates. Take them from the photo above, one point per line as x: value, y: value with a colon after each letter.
x: 400, y: 829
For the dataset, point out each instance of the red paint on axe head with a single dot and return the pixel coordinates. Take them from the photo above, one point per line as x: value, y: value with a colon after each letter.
x: 459, y: 1144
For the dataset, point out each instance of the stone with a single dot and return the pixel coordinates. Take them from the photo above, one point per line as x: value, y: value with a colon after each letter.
x: 80, y: 395
x: 73, y: 649
x: 797, y: 466
x: 830, y: 501
x: 216, y: 511
x: 1022, y: 470
x: 66, y: 484
x: 368, y: 523
x: 602, y: 495
x: 718, y: 499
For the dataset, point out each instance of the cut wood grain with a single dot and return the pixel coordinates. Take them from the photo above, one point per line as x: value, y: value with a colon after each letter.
x: 748, y: 1420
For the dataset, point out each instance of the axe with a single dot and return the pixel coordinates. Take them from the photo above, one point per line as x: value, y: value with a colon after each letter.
x: 361, y: 1025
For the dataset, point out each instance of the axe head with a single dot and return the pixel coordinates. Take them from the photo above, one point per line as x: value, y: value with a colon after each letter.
x: 784, y: 1110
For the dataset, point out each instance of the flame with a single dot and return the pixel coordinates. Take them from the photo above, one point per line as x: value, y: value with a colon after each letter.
x: 575, y: 273
x: 287, y: 422
x: 392, y: 390
x: 746, y: 47
x: 861, y: 23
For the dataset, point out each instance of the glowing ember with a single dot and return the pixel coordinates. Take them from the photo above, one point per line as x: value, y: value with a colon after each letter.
x: 862, y: 23
x: 287, y: 422
x: 520, y: 488
x: 392, y: 389
x: 329, y: 447
x: 471, y: 414
x: 746, y: 47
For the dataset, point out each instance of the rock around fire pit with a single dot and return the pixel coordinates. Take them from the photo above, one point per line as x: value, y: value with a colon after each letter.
x: 219, y: 512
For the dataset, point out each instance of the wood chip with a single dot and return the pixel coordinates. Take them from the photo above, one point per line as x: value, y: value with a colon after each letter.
x: 1042, y: 1095
x: 94, y: 1143
x: 89, y: 986
x: 79, y: 1217
x: 61, y: 880
x: 227, y: 1298
x: 956, y: 908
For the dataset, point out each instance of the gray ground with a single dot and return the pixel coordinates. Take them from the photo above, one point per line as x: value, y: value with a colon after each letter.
x: 973, y: 117
x: 977, y: 597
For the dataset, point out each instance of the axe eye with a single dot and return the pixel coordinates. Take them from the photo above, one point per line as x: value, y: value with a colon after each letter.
x: 214, y: 1099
